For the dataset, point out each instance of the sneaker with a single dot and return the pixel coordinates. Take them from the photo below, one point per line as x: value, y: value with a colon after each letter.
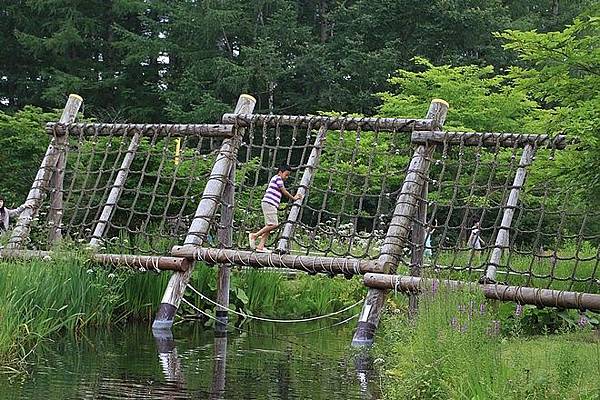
x: 252, y: 241
x: 263, y: 250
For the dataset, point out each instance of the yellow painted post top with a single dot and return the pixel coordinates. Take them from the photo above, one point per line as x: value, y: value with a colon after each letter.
x: 444, y: 102
x: 76, y: 96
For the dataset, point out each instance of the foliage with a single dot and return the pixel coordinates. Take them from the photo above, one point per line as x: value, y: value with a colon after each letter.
x: 456, y: 348
x: 23, y: 142
x: 188, y: 60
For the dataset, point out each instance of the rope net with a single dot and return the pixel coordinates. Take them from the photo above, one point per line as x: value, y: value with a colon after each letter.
x: 164, y: 182
x: 550, y: 242
x: 539, y: 231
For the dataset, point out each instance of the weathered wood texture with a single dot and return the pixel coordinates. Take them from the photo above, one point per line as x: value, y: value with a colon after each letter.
x: 42, y: 182
x: 311, y: 264
x: 406, y: 207
x: 56, y: 185
x: 112, y: 260
x: 205, y: 212
x: 174, y: 130
x: 490, y: 139
x: 225, y: 234
x: 332, y: 123
x: 115, y: 192
x: 418, y: 243
x: 502, y: 239
x: 287, y: 231
x: 519, y: 294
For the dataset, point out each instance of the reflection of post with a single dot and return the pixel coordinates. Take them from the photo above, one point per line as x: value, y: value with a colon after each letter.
x: 167, y: 355
x: 220, y: 356
x: 363, y: 364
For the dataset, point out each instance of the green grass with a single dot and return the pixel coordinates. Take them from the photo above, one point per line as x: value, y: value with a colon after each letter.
x: 456, y: 350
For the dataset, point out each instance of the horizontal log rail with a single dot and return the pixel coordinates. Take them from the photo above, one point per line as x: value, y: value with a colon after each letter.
x: 113, y: 260
x: 519, y: 294
x: 333, y: 123
x: 175, y: 130
x: 491, y: 139
x: 310, y: 264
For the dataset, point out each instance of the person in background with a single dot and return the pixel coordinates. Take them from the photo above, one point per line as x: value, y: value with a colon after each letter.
x: 429, y: 230
x: 7, y: 213
x: 270, y: 205
x: 475, y: 242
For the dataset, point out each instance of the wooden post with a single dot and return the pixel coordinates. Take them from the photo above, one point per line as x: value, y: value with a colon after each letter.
x: 204, y: 213
x: 406, y: 207
x: 418, y: 245
x: 219, y: 371
x: 53, y: 166
x: 115, y: 191
x: 311, y: 165
x: 502, y: 239
x: 225, y: 234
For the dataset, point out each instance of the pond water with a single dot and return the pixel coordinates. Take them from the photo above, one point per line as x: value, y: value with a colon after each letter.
x: 261, y: 362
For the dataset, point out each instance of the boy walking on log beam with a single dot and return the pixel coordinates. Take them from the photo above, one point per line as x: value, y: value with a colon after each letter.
x: 270, y: 204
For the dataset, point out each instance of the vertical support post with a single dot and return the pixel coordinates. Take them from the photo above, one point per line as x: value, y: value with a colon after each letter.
x: 205, y: 212
x: 52, y: 167
x: 220, y: 367
x: 406, y: 207
x: 418, y: 245
x: 115, y: 191
x: 502, y: 239
x: 225, y: 234
x: 313, y: 160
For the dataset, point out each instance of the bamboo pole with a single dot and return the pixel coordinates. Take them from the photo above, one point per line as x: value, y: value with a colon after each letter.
x: 171, y: 130
x: 406, y: 207
x: 332, y: 123
x: 111, y: 260
x: 307, y: 177
x: 200, y: 225
x: 310, y: 264
x: 51, y: 164
x: 522, y: 295
x: 115, y: 192
x: 502, y: 239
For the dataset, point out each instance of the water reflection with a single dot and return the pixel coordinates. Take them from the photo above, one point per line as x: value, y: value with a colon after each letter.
x: 264, y: 362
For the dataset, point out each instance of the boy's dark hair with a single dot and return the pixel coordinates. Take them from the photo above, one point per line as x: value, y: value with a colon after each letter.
x: 284, y: 167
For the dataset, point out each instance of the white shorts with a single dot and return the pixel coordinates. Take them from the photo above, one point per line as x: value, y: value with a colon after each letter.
x: 270, y: 213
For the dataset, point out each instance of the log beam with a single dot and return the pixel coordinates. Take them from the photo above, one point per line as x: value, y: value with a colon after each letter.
x: 332, y: 123
x: 310, y: 264
x: 519, y: 294
x: 490, y: 139
x: 111, y: 260
x: 173, y: 130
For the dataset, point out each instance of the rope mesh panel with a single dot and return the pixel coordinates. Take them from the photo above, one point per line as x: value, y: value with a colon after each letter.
x: 552, y: 239
x: 160, y: 193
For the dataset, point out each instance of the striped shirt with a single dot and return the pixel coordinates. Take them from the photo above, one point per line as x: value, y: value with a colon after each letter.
x: 273, y: 193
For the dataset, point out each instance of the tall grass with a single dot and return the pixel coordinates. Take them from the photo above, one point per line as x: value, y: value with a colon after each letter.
x: 39, y: 298
x: 454, y: 350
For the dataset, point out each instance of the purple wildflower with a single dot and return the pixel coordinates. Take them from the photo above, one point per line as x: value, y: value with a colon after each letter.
x: 583, y: 321
x: 495, y: 328
x: 482, y: 308
x: 454, y: 323
x: 519, y: 310
x: 434, y: 286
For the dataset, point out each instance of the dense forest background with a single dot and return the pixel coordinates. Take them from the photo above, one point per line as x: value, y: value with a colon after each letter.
x: 503, y: 65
